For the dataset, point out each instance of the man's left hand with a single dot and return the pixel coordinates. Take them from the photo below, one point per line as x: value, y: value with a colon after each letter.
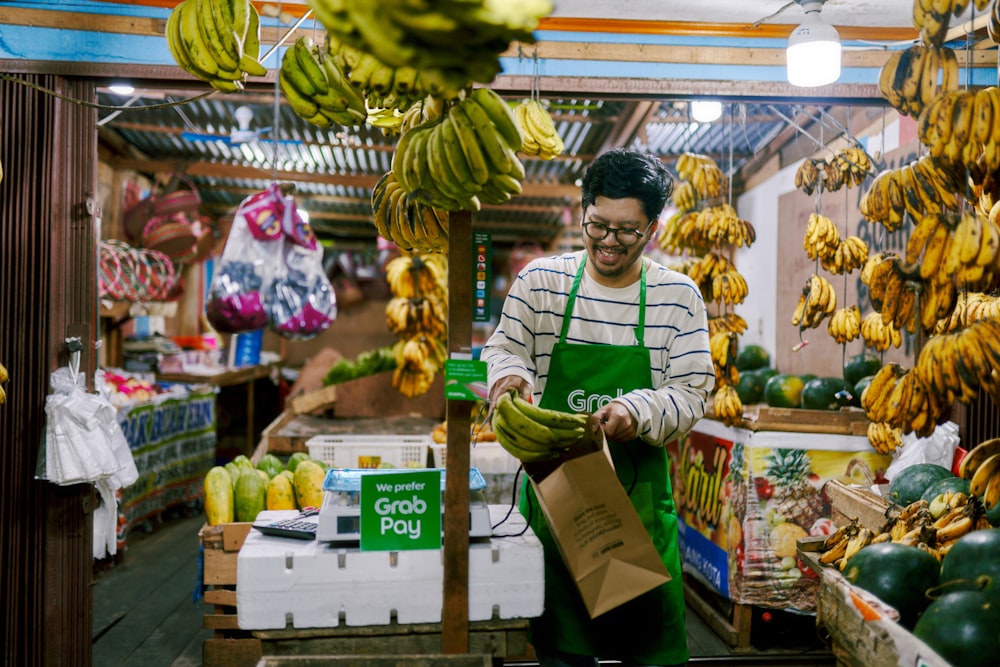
x: 618, y: 423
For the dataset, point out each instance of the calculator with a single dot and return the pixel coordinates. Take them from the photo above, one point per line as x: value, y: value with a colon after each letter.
x: 301, y: 527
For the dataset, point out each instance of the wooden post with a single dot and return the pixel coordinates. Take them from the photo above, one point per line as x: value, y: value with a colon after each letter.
x: 455, y: 614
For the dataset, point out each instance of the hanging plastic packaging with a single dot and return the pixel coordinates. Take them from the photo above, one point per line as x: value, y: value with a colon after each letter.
x: 244, y: 272
x: 301, y: 302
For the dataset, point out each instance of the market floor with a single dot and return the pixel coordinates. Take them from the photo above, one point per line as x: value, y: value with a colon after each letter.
x: 147, y: 612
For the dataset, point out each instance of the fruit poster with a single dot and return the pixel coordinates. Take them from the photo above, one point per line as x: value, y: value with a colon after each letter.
x: 745, y: 498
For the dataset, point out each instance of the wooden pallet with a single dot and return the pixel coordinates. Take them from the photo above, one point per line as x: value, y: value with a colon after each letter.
x: 230, y: 647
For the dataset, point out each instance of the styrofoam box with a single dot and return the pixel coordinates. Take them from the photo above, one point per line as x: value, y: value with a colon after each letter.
x: 288, y: 583
x: 345, y: 451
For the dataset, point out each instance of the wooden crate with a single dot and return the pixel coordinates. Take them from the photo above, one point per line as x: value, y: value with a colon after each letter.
x: 230, y: 647
x: 862, y: 630
x: 849, y: 503
x: 730, y: 620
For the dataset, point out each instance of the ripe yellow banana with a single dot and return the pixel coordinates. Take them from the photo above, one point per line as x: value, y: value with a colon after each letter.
x: 976, y: 456
x: 984, y: 472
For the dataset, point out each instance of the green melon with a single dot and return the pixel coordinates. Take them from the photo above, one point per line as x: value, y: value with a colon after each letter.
x: 784, y: 391
x: 750, y: 388
x: 766, y: 373
x: 963, y: 627
x: 751, y: 357
x: 826, y: 393
x: 270, y: 464
x: 250, y: 497
x: 897, y: 574
x: 973, y: 562
x: 910, y: 483
x: 861, y: 365
x: 295, y: 459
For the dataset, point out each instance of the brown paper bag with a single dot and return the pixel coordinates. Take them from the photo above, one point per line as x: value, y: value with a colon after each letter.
x: 600, y: 536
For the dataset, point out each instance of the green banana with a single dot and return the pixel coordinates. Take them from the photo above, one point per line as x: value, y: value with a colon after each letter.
x: 501, y: 114
x: 494, y: 147
x: 293, y: 72
x: 305, y: 56
x: 302, y: 105
x: 549, y: 417
x: 510, y: 442
x: 536, y: 434
x: 190, y: 34
x: 221, y: 51
x: 250, y: 58
x: 469, y: 141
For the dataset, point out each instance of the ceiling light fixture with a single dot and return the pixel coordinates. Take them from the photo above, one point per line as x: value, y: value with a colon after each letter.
x: 813, y: 54
x: 706, y: 111
x: 121, y: 89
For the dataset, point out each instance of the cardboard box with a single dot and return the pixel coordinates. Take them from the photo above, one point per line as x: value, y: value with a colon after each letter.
x: 745, y: 498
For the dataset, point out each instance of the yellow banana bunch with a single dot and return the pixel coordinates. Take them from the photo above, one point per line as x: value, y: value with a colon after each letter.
x: 457, y: 38
x: 685, y: 197
x: 411, y: 276
x: 961, y: 128
x: 878, y: 335
x: 4, y: 376
x: 993, y: 26
x: 728, y: 322
x: 924, y: 186
x: 853, y: 165
x: 464, y: 158
x: 845, y: 324
x: 704, y: 269
x: 708, y: 180
x: 851, y: 254
x: 400, y: 218
x: 818, y: 299
x: 883, y: 437
x: 954, y: 366
x: 909, y: 79
x: 541, y: 138
x: 822, y: 236
x: 729, y: 287
x: 217, y: 42
x: 531, y: 433
x: 409, y: 317
x: 891, y: 290
x: 809, y: 175
x: 902, y: 400
x: 421, y: 112
x: 720, y: 225
x: 723, y: 346
x: 688, y: 163
x: 727, y: 406
x: 316, y: 89
x: 931, y: 18
x: 938, y: 302
x: 970, y: 307
x: 981, y: 466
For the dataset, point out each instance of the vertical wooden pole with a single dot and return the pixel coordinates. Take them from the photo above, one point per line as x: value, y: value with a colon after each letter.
x: 455, y: 615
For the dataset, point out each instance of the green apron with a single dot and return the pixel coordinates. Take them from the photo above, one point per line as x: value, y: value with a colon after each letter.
x: 649, y: 629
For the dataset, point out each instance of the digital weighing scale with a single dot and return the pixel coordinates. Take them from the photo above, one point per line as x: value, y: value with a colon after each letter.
x: 340, y: 513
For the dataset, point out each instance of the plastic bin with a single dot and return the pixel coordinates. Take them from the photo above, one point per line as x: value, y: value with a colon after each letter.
x: 370, y: 451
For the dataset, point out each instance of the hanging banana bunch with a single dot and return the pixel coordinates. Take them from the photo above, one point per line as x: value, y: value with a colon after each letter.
x: 400, y: 218
x: 541, y: 138
x: 316, y: 88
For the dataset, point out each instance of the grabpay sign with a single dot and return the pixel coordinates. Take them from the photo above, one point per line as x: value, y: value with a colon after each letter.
x: 401, y: 510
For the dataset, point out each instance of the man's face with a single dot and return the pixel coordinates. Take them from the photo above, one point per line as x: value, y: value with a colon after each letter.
x: 614, y: 257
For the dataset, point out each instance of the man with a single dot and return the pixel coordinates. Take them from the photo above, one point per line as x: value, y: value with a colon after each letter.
x: 615, y: 325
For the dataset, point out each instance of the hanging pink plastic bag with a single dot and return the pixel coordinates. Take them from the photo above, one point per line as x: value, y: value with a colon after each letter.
x: 249, y: 262
x: 300, y: 300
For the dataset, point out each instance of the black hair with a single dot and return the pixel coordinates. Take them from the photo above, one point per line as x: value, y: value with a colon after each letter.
x: 622, y: 174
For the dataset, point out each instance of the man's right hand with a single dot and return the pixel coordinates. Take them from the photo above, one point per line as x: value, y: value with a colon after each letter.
x: 504, y: 384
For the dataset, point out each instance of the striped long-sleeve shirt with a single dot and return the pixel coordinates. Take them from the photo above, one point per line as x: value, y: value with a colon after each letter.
x: 676, y: 334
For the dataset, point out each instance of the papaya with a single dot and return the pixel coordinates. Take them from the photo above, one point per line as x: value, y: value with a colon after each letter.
x: 219, y: 506
x: 973, y: 563
x: 826, y: 393
x: 784, y: 391
x: 250, y: 497
x: 861, y: 365
x: 961, y: 626
x: 280, y: 494
x: 243, y: 462
x: 234, y: 472
x: 270, y: 464
x: 295, y: 459
x: 309, y: 484
x: 911, y: 482
x: 751, y: 357
x: 898, y: 574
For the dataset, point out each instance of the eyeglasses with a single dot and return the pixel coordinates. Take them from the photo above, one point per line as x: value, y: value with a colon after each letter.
x: 624, y: 235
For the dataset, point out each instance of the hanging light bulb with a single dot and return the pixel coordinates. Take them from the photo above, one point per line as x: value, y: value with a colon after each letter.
x: 706, y: 111
x: 813, y: 54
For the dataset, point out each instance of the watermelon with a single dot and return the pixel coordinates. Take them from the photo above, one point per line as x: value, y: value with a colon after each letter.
x: 751, y: 357
x: 750, y: 388
x: 250, y: 496
x: 973, y: 563
x: 859, y: 388
x: 962, y: 626
x: 826, y: 393
x: 766, y: 373
x: 897, y: 574
x: 861, y: 365
x: 952, y: 483
x: 784, y: 391
x: 911, y: 482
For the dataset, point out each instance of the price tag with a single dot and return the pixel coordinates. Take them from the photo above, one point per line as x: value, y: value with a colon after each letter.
x: 401, y: 511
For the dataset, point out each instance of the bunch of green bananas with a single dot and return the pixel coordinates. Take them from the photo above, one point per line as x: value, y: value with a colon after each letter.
x: 531, y: 433
x: 909, y: 79
x: 931, y: 18
x: 818, y: 299
x: 317, y: 89
x: 217, y: 42
x: 541, y: 139
x: 464, y: 158
x: 386, y: 87
x: 400, y: 218
x: 461, y: 37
